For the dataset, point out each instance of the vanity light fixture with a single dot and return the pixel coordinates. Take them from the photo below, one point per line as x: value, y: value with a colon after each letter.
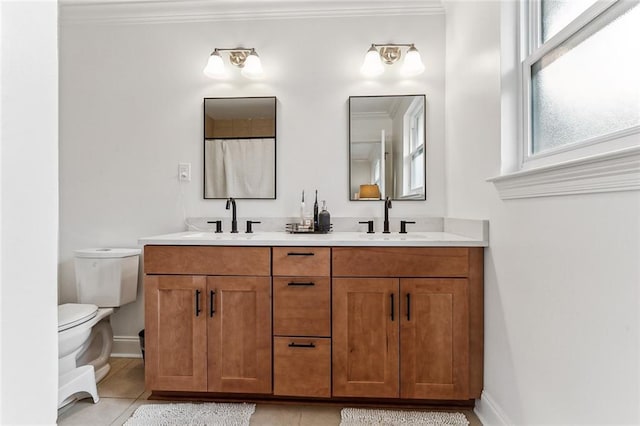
x: 245, y: 58
x: 389, y: 54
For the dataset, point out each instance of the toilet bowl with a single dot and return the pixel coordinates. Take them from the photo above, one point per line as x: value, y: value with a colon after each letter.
x: 105, y: 279
x: 81, y: 329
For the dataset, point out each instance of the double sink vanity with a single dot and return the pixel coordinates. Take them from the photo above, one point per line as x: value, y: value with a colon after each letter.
x: 344, y: 316
x: 351, y: 315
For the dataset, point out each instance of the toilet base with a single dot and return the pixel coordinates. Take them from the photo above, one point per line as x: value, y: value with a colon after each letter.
x: 77, y: 381
x: 101, y: 372
x: 79, y: 371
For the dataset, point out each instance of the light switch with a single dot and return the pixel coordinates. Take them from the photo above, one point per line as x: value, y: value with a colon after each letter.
x: 184, y: 172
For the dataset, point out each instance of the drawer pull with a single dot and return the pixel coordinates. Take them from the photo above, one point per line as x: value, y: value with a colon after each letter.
x: 300, y: 254
x: 301, y: 345
x: 392, y: 308
x: 408, y: 306
x: 198, y: 303
x: 302, y: 284
x: 212, y: 301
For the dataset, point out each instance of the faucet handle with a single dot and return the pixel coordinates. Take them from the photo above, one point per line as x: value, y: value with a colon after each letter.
x: 403, y: 226
x: 249, y: 229
x: 370, y: 223
x: 218, y: 225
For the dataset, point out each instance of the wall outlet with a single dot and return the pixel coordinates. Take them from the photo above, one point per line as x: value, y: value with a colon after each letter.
x: 184, y: 172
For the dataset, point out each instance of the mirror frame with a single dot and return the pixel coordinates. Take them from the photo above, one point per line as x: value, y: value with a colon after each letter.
x: 275, y: 147
x: 424, y: 100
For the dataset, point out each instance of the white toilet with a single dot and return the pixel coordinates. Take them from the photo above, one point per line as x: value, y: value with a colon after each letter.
x: 105, y: 279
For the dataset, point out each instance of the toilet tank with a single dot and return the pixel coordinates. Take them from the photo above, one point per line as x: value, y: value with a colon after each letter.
x: 107, y: 277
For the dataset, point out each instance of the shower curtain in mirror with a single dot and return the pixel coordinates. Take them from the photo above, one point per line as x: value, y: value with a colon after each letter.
x: 239, y: 168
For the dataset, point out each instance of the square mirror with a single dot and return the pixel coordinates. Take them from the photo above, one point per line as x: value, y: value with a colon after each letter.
x: 387, y: 147
x: 240, y: 148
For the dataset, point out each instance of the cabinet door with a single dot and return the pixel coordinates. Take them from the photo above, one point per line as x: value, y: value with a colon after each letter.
x: 239, y: 334
x: 175, y: 333
x: 434, y: 336
x: 365, y: 337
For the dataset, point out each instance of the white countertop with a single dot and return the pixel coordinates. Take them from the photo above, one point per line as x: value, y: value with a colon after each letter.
x: 411, y: 239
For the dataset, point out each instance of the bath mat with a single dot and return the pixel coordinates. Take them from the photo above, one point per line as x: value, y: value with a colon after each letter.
x: 205, y: 414
x: 363, y: 416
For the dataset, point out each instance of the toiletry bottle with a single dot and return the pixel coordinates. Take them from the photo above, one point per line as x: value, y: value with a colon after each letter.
x: 302, y: 209
x: 315, y: 214
x: 324, y: 219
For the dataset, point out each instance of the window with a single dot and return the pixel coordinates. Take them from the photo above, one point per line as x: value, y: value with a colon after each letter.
x: 580, y: 72
x: 571, y: 97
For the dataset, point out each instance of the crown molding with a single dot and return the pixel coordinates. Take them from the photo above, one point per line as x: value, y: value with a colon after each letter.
x: 180, y: 11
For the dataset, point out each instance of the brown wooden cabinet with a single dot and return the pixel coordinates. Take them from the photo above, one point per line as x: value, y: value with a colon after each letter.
x: 406, y: 337
x: 365, y: 337
x: 209, y: 332
x: 239, y: 334
x: 175, y: 333
x: 434, y: 338
x: 302, y: 321
x: 348, y: 322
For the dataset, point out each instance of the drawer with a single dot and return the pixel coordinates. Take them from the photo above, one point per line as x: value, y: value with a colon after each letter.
x: 302, y: 306
x: 302, y: 261
x: 302, y: 367
x: 206, y: 260
x: 400, y: 262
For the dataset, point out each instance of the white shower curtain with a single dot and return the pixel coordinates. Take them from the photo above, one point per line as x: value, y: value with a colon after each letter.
x: 240, y: 168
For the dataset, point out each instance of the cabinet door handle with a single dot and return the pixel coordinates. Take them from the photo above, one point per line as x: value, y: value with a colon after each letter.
x: 300, y: 254
x: 392, y: 308
x: 212, y: 301
x: 408, y: 306
x: 198, y: 302
x: 301, y: 284
x: 301, y: 345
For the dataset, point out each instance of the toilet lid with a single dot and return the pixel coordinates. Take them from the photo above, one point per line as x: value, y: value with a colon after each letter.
x: 94, y: 253
x: 72, y: 314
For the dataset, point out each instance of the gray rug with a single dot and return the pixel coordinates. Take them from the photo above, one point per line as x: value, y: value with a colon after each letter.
x: 205, y: 414
x: 366, y: 417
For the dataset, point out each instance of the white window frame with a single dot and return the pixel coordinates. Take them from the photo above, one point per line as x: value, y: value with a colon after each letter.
x: 569, y: 169
x: 411, y: 119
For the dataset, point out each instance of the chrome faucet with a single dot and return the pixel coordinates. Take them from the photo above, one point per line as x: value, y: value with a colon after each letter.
x: 387, y: 206
x: 234, y: 219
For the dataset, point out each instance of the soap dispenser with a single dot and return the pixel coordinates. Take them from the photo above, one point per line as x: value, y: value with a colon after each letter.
x: 324, y: 219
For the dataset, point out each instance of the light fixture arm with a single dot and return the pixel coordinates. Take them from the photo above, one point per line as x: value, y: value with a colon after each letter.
x: 390, y: 53
x: 393, y: 45
x: 237, y: 55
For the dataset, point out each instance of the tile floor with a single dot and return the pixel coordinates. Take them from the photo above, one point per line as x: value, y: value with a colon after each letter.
x: 122, y: 391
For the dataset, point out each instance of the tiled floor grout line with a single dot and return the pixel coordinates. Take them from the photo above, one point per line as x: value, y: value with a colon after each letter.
x: 116, y: 421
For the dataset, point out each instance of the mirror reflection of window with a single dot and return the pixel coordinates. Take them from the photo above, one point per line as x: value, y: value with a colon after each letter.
x: 414, y: 149
x: 387, y: 147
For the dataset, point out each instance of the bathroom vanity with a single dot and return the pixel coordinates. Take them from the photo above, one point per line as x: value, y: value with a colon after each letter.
x: 314, y: 317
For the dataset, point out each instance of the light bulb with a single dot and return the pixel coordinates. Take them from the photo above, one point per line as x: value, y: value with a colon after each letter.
x: 372, y: 65
x: 412, y: 64
x: 252, y: 66
x: 215, y: 66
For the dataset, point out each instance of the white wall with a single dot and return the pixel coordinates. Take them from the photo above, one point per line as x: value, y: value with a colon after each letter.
x: 562, y: 276
x: 131, y: 110
x: 29, y: 212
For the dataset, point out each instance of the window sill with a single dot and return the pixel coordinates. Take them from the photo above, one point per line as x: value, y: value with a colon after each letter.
x: 611, y: 172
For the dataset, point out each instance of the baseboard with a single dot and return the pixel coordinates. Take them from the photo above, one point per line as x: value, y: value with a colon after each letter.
x: 126, y: 347
x: 489, y: 411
